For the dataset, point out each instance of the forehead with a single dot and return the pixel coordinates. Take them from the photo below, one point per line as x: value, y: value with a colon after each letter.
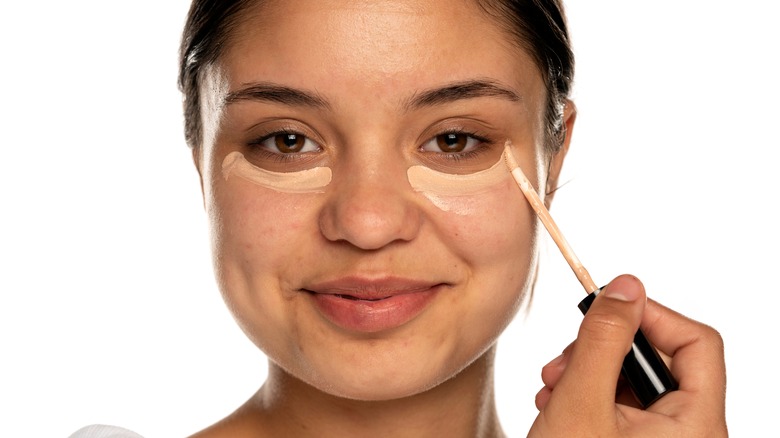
x: 376, y: 46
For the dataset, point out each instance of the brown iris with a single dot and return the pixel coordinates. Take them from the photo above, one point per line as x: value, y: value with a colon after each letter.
x: 289, y: 143
x: 452, y: 142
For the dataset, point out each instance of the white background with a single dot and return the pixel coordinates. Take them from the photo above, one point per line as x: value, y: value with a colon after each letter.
x: 108, y: 309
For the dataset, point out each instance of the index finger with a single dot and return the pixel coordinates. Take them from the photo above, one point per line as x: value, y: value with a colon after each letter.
x: 696, y: 350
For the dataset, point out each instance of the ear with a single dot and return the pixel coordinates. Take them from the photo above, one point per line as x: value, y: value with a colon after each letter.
x: 556, y: 161
x: 197, y: 160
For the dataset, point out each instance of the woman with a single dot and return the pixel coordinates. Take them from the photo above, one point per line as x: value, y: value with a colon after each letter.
x: 378, y: 299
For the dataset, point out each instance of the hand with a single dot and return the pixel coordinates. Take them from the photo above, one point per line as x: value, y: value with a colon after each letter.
x: 583, y: 396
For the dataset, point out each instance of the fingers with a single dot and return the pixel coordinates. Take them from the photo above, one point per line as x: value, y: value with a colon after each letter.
x: 542, y: 397
x: 551, y: 373
x: 604, y: 338
x: 583, y: 394
x: 696, y: 350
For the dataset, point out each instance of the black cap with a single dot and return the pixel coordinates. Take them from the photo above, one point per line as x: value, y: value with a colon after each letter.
x: 644, y: 370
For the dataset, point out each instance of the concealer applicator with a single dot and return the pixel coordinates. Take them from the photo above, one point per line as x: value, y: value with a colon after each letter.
x: 643, y: 369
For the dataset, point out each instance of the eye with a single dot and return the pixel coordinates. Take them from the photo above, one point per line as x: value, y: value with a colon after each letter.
x: 460, y: 151
x: 288, y: 143
x: 451, y: 143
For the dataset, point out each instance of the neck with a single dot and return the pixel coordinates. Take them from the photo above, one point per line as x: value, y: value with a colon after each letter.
x: 463, y: 406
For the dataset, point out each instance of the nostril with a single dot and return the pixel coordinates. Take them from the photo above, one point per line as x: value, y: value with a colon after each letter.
x: 368, y: 219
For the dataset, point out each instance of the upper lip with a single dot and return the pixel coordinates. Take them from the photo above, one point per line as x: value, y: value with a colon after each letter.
x: 365, y: 288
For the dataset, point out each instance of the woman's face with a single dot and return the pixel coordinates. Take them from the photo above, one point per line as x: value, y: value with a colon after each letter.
x: 367, y: 288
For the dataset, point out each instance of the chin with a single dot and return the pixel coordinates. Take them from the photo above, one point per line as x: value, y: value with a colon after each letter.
x: 379, y: 388
x: 385, y: 377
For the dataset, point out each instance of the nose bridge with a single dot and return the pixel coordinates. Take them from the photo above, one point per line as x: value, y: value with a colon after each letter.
x: 370, y: 203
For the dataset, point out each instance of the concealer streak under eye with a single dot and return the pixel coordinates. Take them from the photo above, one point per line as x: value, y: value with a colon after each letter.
x: 305, y: 181
x: 453, y: 193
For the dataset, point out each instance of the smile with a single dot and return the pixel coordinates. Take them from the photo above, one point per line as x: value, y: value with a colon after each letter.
x: 371, y: 306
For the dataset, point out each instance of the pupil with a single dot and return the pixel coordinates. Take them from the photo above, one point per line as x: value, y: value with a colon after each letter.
x: 290, y: 140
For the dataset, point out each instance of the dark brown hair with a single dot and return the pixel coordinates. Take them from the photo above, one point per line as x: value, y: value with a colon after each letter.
x: 538, y: 26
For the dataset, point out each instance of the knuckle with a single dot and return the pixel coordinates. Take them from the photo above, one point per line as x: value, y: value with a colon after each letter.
x: 712, y: 337
x: 605, y: 326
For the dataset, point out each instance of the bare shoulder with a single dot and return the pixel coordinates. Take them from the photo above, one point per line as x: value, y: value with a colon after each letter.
x: 247, y: 421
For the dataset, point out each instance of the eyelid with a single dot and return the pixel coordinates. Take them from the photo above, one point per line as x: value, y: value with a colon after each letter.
x: 476, y: 135
x: 268, y: 128
x: 476, y: 157
x: 282, y: 131
x: 473, y: 126
x: 271, y: 153
x: 268, y: 157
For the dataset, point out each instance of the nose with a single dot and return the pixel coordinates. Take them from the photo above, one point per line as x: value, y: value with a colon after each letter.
x: 370, y: 207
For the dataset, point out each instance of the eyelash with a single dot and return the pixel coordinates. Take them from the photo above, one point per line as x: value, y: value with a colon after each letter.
x: 484, y: 143
x: 256, y: 146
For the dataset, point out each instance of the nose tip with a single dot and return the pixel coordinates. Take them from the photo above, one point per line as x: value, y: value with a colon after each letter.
x: 370, y: 214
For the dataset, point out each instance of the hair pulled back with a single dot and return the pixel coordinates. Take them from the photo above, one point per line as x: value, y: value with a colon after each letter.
x: 538, y: 27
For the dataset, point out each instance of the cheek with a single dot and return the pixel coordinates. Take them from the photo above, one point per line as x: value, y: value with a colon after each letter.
x: 493, y: 237
x: 259, y: 228
x: 493, y: 226
x: 496, y: 243
x: 258, y: 236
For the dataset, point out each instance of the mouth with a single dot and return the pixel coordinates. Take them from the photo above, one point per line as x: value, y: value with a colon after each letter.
x: 372, y: 305
x: 354, y: 298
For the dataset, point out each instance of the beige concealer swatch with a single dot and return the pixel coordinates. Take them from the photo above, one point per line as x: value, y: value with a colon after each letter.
x: 424, y: 179
x: 305, y: 181
x: 451, y: 192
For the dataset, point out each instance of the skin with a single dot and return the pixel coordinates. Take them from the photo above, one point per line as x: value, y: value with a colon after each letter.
x: 431, y: 376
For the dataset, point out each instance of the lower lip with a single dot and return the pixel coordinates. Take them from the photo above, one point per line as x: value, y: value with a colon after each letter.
x: 373, y: 316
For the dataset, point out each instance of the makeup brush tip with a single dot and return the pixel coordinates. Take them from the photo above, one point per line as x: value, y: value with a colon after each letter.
x: 509, y: 158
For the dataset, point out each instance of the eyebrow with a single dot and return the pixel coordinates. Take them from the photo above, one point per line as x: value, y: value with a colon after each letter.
x: 269, y: 92
x: 469, y: 89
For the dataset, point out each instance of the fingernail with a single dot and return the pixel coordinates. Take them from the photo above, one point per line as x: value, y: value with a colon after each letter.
x: 621, y: 292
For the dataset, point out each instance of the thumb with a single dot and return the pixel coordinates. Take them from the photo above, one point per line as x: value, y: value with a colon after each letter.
x: 604, y: 339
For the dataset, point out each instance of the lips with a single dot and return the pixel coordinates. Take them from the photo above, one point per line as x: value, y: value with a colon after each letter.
x: 372, y: 305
